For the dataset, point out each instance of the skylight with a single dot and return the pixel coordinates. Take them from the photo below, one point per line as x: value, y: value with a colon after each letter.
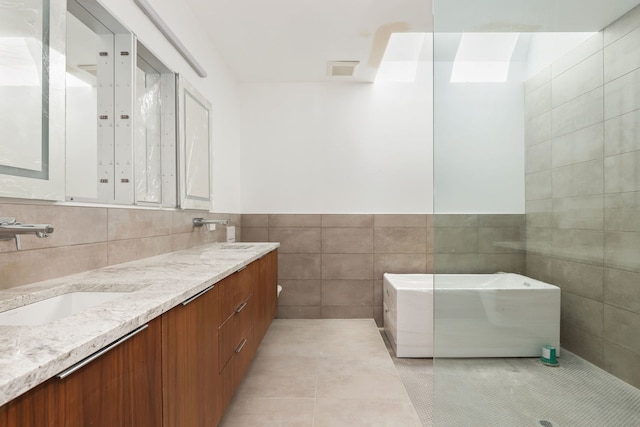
x: 484, y: 57
x: 401, y: 58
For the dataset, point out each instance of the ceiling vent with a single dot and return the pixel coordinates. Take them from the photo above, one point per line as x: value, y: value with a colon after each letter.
x: 342, y: 68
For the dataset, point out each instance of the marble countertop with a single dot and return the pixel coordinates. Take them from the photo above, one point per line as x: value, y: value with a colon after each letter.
x: 29, y: 355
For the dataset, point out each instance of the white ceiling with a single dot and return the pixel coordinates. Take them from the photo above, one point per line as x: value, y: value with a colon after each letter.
x: 292, y: 40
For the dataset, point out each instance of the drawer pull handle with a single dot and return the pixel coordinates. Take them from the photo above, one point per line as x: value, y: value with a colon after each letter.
x: 199, y: 294
x: 239, y: 348
x: 84, y: 362
x: 241, y: 307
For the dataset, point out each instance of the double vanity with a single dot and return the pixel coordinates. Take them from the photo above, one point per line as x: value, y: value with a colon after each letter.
x: 162, y: 341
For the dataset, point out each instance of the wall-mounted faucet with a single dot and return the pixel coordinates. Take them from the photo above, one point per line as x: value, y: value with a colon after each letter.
x: 11, y: 229
x: 199, y: 222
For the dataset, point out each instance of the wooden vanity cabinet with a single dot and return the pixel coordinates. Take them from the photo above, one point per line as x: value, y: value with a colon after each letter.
x: 122, y: 387
x: 190, y: 362
x: 235, y: 330
x: 181, y: 370
x: 38, y: 407
x: 267, y: 292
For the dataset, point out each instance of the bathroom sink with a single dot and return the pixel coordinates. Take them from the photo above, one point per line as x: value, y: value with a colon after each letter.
x: 55, y: 308
x: 236, y: 246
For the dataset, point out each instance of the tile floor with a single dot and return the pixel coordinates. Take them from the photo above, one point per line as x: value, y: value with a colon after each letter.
x: 322, y: 373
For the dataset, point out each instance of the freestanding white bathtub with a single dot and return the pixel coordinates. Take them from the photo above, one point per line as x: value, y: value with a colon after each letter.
x: 476, y: 315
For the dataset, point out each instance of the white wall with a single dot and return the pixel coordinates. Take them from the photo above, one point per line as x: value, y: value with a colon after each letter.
x: 337, y: 148
x: 219, y: 86
x: 479, y: 145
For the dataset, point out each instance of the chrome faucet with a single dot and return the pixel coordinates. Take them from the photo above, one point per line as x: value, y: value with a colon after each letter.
x: 11, y: 229
x: 199, y: 222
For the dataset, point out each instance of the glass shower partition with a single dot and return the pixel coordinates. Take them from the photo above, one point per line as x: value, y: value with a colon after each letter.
x: 536, y: 199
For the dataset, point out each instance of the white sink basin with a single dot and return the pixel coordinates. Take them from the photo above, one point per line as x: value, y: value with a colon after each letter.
x: 236, y: 246
x: 55, y: 308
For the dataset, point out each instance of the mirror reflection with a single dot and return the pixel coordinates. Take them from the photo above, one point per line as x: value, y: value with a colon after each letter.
x: 23, y: 46
x: 195, y: 140
x: 82, y: 104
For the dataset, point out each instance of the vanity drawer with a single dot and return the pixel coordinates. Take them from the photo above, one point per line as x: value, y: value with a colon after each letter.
x: 233, y: 332
x: 234, y: 371
x: 237, y: 289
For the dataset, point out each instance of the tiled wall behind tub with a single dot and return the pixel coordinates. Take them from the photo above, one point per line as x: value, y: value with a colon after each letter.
x: 331, y: 266
x: 86, y: 238
x: 583, y: 193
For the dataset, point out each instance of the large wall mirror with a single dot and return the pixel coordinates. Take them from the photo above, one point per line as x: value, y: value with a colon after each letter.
x: 120, y: 114
x: 194, y: 120
x: 32, y: 99
x: 116, y: 101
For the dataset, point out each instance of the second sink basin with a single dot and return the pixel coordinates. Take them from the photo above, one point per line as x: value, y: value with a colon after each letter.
x: 55, y: 308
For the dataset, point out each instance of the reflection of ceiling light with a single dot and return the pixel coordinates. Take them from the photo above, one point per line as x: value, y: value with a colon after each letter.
x: 18, y: 66
x: 401, y: 58
x: 484, y: 57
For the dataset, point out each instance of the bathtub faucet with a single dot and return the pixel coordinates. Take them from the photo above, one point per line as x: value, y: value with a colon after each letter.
x: 11, y: 229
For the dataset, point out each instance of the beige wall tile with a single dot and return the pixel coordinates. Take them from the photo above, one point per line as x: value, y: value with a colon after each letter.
x: 399, y: 263
x: 377, y: 292
x: 350, y: 220
x: 378, y: 315
x: 492, y: 263
x: 187, y: 240
x: 582, y: 313
x: 21, y: 268
x: 182, y: 221
x: 622, y: 250
x: 500, y: 240
x: 300, y: 292
x: 296, y: 240
x: 299, y: 312
x: 134, y: 223
x: 347, y: 266
x: 72, y: 225
x: 578, y: 278
x: 589, y: 347
x: 295, y: 220
x: 455, y: 263
x: 622, y: 211
x: 622, y: 363
x: 580, y: 78
x: 131, y: 249
x: 459, y: 240
x: 621, y: 289
x: 393, y: 240
x: 400, y: 220
x: 347, y: 240
x: 577, y: 55
x: 455, y: 220
x: 255, y: 220
x: 621, y: 328
x: 299, y: 266
x: 624, y: 25
x: 254, y: 234
x: 347, y: 293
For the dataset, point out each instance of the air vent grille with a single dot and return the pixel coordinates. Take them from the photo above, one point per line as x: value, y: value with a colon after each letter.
x: 342, y: 68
